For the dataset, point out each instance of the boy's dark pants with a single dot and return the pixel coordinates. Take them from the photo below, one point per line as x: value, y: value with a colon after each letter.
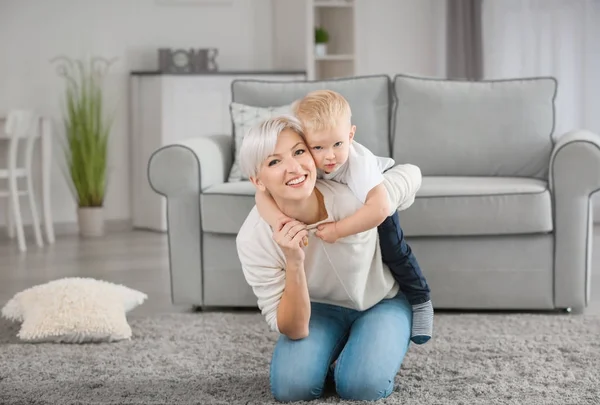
x: 402, y: 262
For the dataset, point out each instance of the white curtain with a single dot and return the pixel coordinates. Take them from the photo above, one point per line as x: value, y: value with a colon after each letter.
x: 559, y: 38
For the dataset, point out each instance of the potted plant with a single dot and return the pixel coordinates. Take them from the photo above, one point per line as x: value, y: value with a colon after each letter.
x: 321, y: 39
x: 87, y: 128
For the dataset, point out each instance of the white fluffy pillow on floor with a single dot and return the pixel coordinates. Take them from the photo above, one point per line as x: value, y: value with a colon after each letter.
x: 74, y: 310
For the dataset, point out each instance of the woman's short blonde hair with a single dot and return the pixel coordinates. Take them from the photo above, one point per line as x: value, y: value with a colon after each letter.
x: 322, y: 109
x: 260, y: 142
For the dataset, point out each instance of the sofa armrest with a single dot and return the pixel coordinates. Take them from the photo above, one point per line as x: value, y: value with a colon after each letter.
x: 574, y: 177
x: 180, y: 172
x: 191, y: 165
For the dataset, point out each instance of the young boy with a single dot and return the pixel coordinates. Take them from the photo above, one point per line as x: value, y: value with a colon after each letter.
x: 326, y: 119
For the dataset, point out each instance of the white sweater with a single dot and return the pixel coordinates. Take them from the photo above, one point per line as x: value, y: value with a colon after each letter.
x: 349, y: 273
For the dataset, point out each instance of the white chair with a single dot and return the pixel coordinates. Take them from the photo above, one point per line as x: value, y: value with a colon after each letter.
x: 21, y: 125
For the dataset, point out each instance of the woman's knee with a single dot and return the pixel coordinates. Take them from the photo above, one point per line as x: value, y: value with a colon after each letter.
x: 292, y: 387
x: 295, y: 381
x: 363, y: 385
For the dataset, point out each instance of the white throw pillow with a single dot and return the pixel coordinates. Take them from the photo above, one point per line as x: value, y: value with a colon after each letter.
x: 74, y: 310
x: 245, y: 117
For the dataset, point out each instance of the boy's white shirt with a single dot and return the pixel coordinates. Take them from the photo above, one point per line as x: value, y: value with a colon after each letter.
x: 349, y: 273
x: 361, y: 172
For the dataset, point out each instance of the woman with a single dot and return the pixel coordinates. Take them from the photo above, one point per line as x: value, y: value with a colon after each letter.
x: 330, y: 302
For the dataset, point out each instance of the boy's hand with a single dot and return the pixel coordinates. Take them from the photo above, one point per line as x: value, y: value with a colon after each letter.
x: 284, y: 218
x: 328, y: 232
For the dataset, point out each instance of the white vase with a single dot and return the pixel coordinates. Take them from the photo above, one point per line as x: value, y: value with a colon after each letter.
x: 320, y: 49
x: 91, y: 221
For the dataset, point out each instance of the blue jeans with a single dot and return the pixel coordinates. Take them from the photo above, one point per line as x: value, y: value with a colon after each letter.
x: 398, y: 255
x: 369, y: 347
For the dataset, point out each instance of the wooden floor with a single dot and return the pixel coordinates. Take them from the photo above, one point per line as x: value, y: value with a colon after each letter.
x: 136, y: 259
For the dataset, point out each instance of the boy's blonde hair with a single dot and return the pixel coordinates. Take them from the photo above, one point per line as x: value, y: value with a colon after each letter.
x: 322, y: 109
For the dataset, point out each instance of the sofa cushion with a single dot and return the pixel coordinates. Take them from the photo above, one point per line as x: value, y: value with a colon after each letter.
x: 489, y: 128
x: 444, y: 206
x: 245, y: 117
x: 447, y: 206
x: 369, y: 98
x: 224, y: 207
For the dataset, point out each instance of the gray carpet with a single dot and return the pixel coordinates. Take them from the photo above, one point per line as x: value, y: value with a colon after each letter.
x: 223, y: 358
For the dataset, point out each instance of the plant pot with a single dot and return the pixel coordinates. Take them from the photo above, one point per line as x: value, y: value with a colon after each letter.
x: 320, y: 49
x: 91, y: 221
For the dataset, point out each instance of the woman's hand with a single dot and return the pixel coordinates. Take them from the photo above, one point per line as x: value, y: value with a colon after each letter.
x: 291, y: 236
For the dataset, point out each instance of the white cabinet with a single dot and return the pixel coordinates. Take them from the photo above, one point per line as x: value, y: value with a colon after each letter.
x: 168, y: 108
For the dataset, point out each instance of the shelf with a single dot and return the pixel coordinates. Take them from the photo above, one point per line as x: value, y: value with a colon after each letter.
x: 339, y: 57
x: 334, y: 3
x: 338, y: 17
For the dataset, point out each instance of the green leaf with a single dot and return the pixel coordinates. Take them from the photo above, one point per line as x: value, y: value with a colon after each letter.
x: 87, y: 128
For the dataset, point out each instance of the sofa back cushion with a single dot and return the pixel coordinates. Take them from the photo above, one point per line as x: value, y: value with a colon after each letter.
x: 489, y: 128
x: 369, y: 98
x: 245, y: 117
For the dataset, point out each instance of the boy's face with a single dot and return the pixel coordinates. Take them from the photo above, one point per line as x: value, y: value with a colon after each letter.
x: 330, y: 147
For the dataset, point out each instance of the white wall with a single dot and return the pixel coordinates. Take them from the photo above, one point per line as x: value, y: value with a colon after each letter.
x: 393, y: 36
x: 32, y: 32
x: 401, y: 36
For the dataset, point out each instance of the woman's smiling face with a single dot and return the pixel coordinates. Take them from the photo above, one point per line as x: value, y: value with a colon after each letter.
x: 289, y: 173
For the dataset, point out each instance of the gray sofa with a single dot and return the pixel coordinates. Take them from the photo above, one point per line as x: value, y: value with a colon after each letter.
x: 502, y: 220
